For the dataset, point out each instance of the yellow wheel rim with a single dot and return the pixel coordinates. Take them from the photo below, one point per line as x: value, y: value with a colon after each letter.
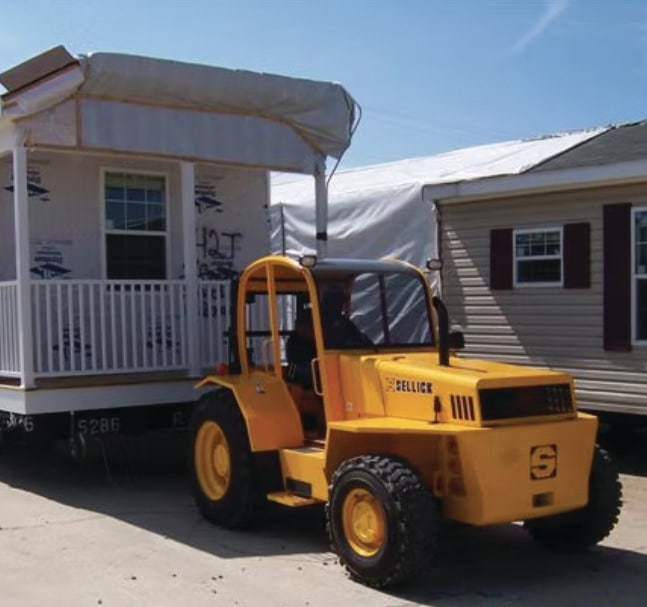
x: 363, y: 521
x: 212, y: 460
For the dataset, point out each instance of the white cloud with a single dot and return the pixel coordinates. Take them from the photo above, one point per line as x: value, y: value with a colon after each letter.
x: 553, y: 10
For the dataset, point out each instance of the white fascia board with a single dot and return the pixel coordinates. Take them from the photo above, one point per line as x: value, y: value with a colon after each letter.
x: 88, y: 398
x: 530, y: 183
x: 7, y: 136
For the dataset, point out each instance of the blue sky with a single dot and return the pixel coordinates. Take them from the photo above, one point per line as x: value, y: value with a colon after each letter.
x: 431, y: 75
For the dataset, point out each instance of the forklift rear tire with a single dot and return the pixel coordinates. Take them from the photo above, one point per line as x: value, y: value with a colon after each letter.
x: 381, y: 520
x: 221, y: 463
x: 582, y: 528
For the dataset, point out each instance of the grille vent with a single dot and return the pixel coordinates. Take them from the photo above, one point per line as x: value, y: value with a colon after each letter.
x: 463, y: 407
x: 528, y: 401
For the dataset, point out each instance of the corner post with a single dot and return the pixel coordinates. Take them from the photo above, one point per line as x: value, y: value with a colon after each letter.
x: 21, y: 231
x: 190, y: 267
x: 321, y: 206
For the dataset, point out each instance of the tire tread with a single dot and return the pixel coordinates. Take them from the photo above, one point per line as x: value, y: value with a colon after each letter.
x: 221, y: 406
x: 587, y: 526
x: 418, y: 516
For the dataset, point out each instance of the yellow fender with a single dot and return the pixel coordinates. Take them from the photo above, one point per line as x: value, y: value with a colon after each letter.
x: 272, y: 419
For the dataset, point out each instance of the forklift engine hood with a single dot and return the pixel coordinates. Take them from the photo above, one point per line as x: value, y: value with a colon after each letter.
x: 472, y: 392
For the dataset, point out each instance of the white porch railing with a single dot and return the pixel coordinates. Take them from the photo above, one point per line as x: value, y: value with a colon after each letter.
x: 214, y: 300
x: 90, y: 327
x: 106, y: 326
x: 9, y: 344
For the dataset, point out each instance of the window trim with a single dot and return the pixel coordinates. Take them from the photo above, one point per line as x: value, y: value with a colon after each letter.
x: 634, y: 279
x: 105, y: 231
x: 522, y: 285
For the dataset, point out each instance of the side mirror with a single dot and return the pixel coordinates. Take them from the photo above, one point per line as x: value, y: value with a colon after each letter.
x: 456, y: 340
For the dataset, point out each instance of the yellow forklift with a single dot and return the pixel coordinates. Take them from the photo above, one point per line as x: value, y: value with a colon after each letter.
x: 386, y: 425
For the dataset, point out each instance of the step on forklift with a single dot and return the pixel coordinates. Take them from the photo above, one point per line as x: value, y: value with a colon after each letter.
x: 393, y: 432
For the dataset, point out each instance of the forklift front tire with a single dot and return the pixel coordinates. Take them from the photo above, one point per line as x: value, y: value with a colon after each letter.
x: 382, y: 522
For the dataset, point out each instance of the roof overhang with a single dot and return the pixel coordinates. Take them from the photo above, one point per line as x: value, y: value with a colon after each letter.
x: 115, y: 102
x: 37, y: 68
x: 536, y: 183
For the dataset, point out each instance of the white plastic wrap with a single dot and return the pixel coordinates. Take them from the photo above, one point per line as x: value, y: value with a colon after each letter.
x: 247, y: 140
x: 379, y: 211
x: 162, y: 107
x: 395, y: 223
x: 322, y: 112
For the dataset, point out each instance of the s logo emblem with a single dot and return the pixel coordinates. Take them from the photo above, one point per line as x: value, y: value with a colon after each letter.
x: 543, y: 462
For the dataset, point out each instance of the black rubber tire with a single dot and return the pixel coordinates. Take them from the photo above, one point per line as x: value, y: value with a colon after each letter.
x: 412, y: 520
x: 241, y: 504
x: 583, y: 528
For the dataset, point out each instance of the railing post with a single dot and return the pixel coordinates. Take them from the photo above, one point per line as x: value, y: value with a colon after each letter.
x: 190, y: 267
x: 21, y: 228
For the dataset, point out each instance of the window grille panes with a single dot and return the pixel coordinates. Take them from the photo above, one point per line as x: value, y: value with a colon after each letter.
x: 135, y: 224
x: 538, y: 256
x: 135, y: 202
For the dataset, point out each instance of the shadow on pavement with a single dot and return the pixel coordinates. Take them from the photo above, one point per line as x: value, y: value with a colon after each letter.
x: 500, y: 566
x: 628, y: 449
x: 142, y: 482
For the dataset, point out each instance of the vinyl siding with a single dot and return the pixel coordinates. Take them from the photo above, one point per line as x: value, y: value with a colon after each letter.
x: 547, y: 326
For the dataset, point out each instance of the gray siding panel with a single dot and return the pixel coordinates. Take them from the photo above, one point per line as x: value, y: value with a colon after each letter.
x: 552, y: 327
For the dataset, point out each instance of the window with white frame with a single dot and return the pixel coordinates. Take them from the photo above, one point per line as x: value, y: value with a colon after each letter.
x: 538, y: 257
x: 135, y: 225
x: 639, y: 303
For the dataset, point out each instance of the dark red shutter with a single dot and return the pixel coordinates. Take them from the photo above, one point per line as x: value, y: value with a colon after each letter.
x: 617, y: 277
x: 501, y: 259
x: 577, y: 256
